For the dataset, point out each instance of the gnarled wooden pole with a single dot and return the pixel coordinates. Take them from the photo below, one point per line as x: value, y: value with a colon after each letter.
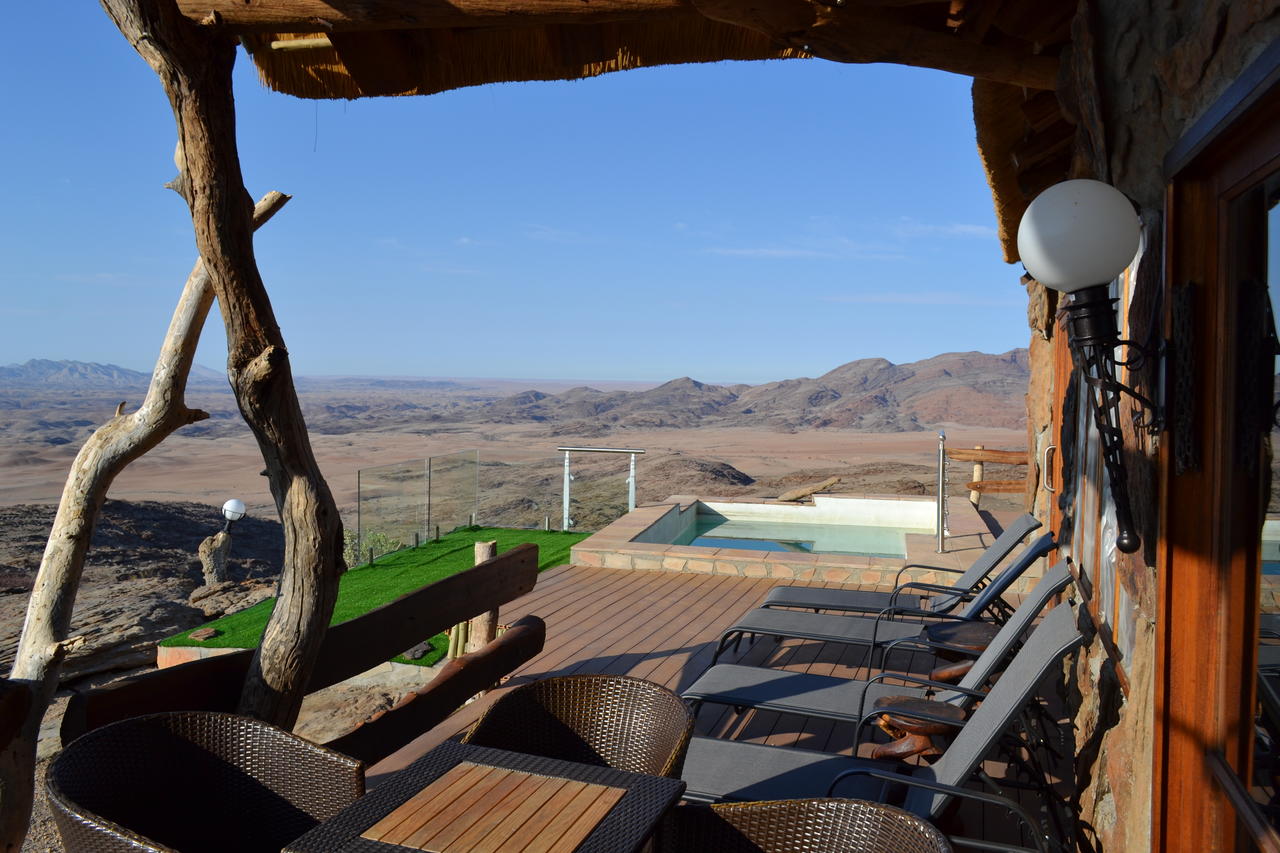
x: 194, y: 65
x: 104, y: 455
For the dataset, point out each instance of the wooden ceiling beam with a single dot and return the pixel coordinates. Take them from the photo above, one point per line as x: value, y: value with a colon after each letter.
x: 309, y: 16
x: 859, y: 34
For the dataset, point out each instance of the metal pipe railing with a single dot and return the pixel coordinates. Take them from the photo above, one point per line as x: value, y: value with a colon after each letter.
x: 942, y: 492
x: 565, y: 521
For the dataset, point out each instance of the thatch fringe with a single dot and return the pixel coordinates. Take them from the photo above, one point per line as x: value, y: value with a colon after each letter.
x: 444, y: 59
x: 997, y: 113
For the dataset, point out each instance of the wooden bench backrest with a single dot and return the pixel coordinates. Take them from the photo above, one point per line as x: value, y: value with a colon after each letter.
x: 213, y: 684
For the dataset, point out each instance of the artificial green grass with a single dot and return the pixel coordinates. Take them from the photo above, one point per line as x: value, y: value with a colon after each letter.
x: 387, y: 578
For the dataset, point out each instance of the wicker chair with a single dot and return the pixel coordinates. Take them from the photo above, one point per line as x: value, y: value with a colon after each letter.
x: 609, y: 720
x: 797, y: 826
x: 193, y: 782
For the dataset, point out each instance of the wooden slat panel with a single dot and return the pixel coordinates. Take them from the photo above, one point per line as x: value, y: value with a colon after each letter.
x: 1007, y: 457
x: 213, y: 684
x: 998, y: 487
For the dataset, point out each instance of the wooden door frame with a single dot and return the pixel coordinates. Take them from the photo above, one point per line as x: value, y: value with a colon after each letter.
x: 1207, y: 560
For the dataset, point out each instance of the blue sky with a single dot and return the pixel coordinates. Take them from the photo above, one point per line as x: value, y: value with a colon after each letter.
x: 731, y: 222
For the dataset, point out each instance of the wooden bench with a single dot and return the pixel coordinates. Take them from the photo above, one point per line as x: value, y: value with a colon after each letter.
x: 213, y: 684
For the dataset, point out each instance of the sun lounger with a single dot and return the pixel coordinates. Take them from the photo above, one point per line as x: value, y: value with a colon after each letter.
x: 717, y: 770
x: 944, y: 598
x: 887, y: 626
x: 849, y: 700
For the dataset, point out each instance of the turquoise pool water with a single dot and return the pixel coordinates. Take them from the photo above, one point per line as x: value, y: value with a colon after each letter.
x: 862, y: 540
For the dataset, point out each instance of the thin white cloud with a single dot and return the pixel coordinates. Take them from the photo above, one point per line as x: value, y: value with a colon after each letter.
x: 551, y: 234
x: 763, y: 252
x: 927, y: 298
x: 113, y: 278
x: 442, y: 269
x: 911, y: 228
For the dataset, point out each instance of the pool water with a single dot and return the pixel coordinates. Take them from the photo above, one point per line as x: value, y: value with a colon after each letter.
x: 863, y: 540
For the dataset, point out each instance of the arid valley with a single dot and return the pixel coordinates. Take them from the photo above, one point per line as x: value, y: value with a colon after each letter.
x: 871, y: 423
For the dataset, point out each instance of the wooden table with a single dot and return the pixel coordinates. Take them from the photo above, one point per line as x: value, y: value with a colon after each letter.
x: 460, y: 798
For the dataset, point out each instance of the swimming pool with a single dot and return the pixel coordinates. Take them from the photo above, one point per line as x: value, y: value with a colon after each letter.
x: 831, y: 525
x: 862, y: 539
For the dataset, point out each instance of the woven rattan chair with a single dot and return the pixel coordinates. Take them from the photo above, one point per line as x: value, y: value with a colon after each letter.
x: 797, y: 826
x: 609, y: 720
x: 194, y: 782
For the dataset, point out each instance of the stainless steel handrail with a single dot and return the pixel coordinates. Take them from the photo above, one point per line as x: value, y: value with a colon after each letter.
x: 565, y: 521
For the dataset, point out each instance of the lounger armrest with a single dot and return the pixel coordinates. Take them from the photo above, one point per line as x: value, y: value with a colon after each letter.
x: 898, y: 577
x: 875, y: 713
x: 893, y: 611
x: 1037, y: 835
x: 920, y: 644
x: 941, y: 589
x: 924, y: 682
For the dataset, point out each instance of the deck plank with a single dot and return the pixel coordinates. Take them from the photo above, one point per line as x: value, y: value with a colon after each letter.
x: 664, y: 626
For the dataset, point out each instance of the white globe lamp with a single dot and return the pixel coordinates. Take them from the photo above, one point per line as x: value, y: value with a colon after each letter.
x: 233, y: 510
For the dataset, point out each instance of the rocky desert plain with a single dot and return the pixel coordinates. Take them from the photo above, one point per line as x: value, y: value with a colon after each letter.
x: 872, y: 423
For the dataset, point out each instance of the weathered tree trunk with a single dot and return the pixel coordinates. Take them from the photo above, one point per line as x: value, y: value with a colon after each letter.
x: 194, y: 64
x: 107, y: 452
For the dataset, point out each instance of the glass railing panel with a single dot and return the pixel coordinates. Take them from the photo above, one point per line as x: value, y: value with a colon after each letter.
x: 391, y: 508
x: 452, y: 501
x: 519, y: 489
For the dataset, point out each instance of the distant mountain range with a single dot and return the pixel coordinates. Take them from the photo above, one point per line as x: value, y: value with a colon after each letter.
x: 871, y: 395
x: 89, y: 376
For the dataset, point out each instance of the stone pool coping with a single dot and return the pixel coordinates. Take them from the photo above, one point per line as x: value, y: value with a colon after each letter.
x: 615, y: 547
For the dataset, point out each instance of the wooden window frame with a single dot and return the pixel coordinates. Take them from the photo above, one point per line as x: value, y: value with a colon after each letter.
x: 1207, y: 559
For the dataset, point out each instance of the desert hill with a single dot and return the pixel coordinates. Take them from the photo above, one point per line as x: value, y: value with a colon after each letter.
x: 872, y: 394
x: 47, y: 402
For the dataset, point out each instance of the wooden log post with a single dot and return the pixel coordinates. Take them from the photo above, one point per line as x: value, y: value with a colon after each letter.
x: 484, y: 628
x: 44, y: 640
x: 194, y: 64
x: 975, y: 496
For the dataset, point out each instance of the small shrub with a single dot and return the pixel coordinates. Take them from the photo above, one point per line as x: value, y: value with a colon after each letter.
x: 356, y: 552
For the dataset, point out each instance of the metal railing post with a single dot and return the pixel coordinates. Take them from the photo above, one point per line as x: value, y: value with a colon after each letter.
x: 564, y: 501
x: 631, y: 485
x: 942, y: 492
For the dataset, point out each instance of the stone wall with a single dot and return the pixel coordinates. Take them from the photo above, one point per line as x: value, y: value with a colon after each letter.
x: 1160, y: 65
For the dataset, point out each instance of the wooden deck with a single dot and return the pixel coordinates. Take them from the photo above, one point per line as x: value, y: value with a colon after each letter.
x: 663, y: 627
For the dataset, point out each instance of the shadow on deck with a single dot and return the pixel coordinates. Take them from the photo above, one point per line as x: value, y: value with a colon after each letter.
x: 663, y: 627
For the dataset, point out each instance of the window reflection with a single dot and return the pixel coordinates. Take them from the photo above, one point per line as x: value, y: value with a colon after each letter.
x: 1266, y: 782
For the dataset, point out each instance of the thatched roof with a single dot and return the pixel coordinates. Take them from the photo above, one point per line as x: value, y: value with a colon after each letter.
x: 436, y: 60
x: 358, y: 48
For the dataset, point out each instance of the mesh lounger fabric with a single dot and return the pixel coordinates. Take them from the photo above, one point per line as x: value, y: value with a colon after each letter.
x: 872, y: 601
x: 721, y: 770
x: 868, y: 631
x: 849, y: 699
x: 797, y: 826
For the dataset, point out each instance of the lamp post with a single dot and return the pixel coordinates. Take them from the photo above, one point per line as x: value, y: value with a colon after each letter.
x: 1076, y: 238
x: 214, y: 549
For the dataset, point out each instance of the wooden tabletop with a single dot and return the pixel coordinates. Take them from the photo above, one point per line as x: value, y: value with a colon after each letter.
x: 475, y: 808
x: 460, y: 797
